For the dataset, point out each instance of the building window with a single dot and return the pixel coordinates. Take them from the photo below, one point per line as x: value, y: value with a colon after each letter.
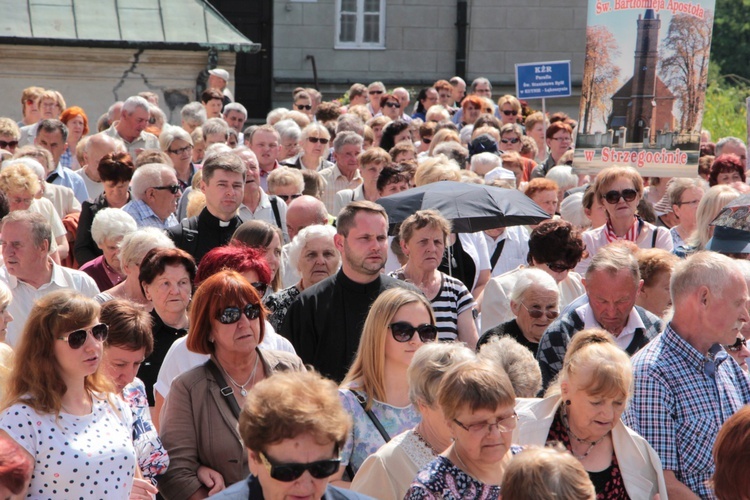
x: 360, y: 24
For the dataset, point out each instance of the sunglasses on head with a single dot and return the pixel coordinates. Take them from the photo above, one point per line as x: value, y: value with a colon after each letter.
x: 391, y: 104
x: 8, y: 144
x: 510, y: 112
x: 403, y: 331
x: 559, y: 268
x: 613, y: 196
x: 232, y: 315
x: 307, y: 107
x: 738, y: 344
x: 316, y: 140
x: 290, y: 472
x: 510, y: 141
x: 538, y: 313
x: 77, y: 338
x: 174, y: 189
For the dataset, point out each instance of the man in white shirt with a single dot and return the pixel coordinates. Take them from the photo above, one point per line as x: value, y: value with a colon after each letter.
x: 96, y: 148
x: 507, y: 247
x: 345, y: 173
x: 256, y: 205
x: 28, y: 270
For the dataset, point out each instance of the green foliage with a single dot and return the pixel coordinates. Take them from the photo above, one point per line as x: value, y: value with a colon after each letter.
x: 725, y: 113
x: 730, y: 43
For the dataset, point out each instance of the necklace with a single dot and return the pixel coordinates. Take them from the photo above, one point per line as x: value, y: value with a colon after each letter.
x: 251, y: 377
x: 591, y: 444
x: 424, y: 441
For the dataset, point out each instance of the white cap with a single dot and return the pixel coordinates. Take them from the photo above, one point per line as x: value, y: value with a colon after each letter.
x: 221, y: 73
x: 499, y: 173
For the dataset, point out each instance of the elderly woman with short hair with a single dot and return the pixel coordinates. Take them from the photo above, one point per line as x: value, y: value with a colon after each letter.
x: 387, y: 473
x: 178, y: 145
x: 371, y: 163
x: 509, y: 109
x: 289, y: 137
x: 115, y: 170
x: 314, y: 143
x: 132, y: 249
x: 534, y: 301
x: 478, y: 403
x: 684, y: 196
x: 726, y: 169
x: 582, y: 411
x: 110, y: 226
x: 555, y: 247
x: 510, y: 137
x: 315, y: 257
x: 286, y: 183
x: 620, y: 189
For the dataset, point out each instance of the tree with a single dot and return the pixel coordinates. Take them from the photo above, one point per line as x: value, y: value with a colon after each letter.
x: 685, y: 65
x: 731, y: 47
x: 600, y: 75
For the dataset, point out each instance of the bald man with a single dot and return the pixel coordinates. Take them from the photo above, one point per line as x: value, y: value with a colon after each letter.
x: 301, y: 212
x: 97, y: 146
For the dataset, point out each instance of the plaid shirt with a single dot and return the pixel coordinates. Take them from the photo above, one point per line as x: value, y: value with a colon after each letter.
x: 145, y: 217
x: 681, y: 400
x: 554, y: 342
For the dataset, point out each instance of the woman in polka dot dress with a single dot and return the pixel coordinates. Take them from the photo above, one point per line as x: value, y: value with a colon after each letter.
x: 59, y: 407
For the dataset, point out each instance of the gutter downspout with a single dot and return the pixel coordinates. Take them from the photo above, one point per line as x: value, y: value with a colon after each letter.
x: 462, y: 23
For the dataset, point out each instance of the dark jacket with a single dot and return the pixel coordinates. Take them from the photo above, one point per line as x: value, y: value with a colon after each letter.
x: 85, y: 248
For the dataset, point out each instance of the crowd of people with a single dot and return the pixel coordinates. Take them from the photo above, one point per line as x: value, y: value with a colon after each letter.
x: 207, y: 310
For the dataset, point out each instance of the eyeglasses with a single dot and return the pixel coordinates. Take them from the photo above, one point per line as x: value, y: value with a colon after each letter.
x: 316, y: 140
x: 510, y: 112
x: 287, y: 197
x: 181, y: 150
x: 260, y: 287
x: 375, y: 92
x: 8, y: 144
x: 232, y: 315
x: 174, y: 189
x: 510, y: 141
x: 538, y: 313
x: 503, y: 425
x: 77, y: 338
x: 694, y: 202
x: 613, y: 196
x: 562, y: 139
x: 403, y: 331
x: 737, y: 346
x: 289, y: 472
x: 391, y: 104
x: 559, y: 268
x: 307, y: 107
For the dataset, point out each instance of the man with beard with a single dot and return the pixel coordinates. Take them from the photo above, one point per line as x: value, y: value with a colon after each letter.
x: 325, y: 323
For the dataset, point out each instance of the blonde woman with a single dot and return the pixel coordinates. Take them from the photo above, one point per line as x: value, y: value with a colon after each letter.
x: 376, y: 389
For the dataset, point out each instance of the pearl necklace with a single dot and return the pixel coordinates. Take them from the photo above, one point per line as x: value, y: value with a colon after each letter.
x: 251, y: 377
x: 572, y: 434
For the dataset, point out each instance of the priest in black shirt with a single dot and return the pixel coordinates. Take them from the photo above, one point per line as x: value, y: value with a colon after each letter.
x: 223, y: 184
x: 325, y: 323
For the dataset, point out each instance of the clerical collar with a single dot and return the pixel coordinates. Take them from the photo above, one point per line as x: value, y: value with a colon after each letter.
x: 224, y: 223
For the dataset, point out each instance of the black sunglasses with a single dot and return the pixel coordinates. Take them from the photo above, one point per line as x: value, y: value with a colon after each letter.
x: 174, y: 189
x: 391, y: 104
x: 316, y: 140
x: 4, y: 144
x: 308, y: 107
x: 403, y: 331
x: 77, y: 338
x: 376, y: 92
x: 510, y: 141
x: 260, y: 287
x: 559, y: 268
x: 738, y: 344
x: 427, y: 140
x: 538, y: 313
x: 287, y: 197
x: 613, y: 196
x: 289, y: 472
x: 509, y: 113
x: 232, y: 315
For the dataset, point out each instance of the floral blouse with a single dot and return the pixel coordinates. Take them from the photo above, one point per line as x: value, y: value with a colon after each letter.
x: 279, y: 303
x: 152, y: 457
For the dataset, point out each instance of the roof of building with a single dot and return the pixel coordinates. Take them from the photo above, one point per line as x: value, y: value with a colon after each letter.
x: 155, y: 24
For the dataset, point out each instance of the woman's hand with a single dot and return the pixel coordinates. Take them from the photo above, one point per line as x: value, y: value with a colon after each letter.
x: 142, y: 490
x: 211, y: 479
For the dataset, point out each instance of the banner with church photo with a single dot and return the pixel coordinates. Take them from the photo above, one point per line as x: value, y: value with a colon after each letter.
x: 644, y: 84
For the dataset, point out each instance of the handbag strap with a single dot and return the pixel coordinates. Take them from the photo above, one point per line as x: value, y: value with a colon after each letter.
x: 226, y: 390
x: 363, y: 403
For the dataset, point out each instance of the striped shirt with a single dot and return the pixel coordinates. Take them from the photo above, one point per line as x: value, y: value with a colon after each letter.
x: 452, y: 299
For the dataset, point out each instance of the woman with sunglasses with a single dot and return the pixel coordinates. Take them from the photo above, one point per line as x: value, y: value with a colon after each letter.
x: 510, y: 138
x: 534, y: 301
x: 166, y: 277
x: 582, y: 410
x: 423, y: 238
x: 376, y: 389
x: 293, y: 426
x: 178, y: 145
x: 477, y: 401
x: 620, y: 189
x: 59, y: 404
x: 314, y: 142
x: 199, y: 424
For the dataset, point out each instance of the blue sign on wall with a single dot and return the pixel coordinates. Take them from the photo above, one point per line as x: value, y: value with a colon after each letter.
x: 543, y: 80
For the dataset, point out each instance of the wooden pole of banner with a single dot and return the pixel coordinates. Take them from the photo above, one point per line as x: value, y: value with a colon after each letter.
x: 544, y: 120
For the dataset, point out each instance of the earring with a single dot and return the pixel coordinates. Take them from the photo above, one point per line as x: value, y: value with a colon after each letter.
x: 212, y: 341
x: 567, y: 402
